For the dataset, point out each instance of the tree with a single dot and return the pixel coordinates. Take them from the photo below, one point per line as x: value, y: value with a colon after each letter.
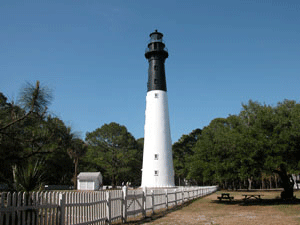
x: 274, y: 130
x: 34, y: 99
x: 182, y: 150
x: 28, y: 133
x: 22, y: 128
x: 28, y: 176
x: 10, y: 148
x: 76, y: 151
x: 113, y: 149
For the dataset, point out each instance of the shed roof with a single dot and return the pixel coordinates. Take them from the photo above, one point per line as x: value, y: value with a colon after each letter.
x: 89, y: 175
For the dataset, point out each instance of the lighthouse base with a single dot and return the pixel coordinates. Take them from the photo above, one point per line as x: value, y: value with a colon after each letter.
x: 157, y: 157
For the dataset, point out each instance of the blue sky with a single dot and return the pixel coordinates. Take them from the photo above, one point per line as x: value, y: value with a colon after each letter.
x: 91, y: 54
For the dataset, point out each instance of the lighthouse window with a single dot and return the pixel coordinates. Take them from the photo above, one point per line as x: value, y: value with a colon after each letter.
x: 155, y: 67
x: 155, y: 156
x: 155, y: 172
x: 156, y: 95
x: 155, y: 81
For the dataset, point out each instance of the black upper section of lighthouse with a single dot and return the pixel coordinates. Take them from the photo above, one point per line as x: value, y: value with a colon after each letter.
x: 156, y: 53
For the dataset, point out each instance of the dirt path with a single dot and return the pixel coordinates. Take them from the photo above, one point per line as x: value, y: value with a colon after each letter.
x: 209, y: 210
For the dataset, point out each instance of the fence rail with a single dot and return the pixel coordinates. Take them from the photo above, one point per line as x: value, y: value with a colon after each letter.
x: 95, y: 207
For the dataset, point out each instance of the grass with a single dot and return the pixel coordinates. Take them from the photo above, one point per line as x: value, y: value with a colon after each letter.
x: 209, y: 210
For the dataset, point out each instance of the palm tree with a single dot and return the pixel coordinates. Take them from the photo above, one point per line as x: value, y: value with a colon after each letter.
x: 77, y: 150
x: 28, y: 176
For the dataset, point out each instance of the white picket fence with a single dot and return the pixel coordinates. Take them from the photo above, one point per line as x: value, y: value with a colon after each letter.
x: 95, y: 207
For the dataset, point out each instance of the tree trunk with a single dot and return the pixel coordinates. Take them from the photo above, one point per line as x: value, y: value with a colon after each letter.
x: 250, y: 183
x: 276, y: 181
x: 263, y: 185
x: 75, y: 173
x: 287, y: 183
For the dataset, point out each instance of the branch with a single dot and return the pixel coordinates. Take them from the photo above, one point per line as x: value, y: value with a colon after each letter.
x: 15, y: 121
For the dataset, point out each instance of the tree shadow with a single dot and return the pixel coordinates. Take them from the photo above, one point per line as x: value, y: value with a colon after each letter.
x: 159, y: 214
x: 261, y: 202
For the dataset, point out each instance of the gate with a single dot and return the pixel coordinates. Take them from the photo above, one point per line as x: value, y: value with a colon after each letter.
x: 134, y: 203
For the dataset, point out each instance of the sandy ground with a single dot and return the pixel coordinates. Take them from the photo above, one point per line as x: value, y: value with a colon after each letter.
x: 209, y: 210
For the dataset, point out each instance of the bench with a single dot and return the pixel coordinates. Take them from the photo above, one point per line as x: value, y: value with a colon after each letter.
x: 225, y: 196
x: 247, y: 197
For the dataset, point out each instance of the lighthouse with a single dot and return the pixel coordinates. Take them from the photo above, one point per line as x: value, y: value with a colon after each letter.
x: 157, y: 168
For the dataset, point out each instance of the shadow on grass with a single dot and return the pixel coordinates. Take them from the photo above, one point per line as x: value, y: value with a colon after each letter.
x: 159, y: 214
x: 262, y: 202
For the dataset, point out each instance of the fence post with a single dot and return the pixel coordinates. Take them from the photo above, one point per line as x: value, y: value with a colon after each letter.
x: 144, y: 201
x: 3, y: 196
x: 176, y: 197
x: 152, y: 198
x: 125, y: 193
x: 167, y: 199
x: 108, y: 207
x: 62, y: 203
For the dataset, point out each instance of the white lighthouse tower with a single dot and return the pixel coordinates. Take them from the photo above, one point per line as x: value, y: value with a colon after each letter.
x: 157, y: 159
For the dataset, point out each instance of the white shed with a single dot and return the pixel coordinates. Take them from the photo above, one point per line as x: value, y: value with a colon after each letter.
x: 89, y: 181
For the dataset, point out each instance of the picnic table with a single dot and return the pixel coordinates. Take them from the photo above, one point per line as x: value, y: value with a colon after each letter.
x: 252, y: 196
x: 225, y: 196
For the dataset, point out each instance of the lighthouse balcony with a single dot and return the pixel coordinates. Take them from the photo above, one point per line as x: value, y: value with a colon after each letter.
x: 155, y: 52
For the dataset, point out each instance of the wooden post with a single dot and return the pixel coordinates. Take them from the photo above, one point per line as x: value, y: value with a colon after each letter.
x: 62, y: 202
x: 14, y: 204
x: 108, y: 207
x: 167, y: 200
x: 9, y: 203
x: 134, y: 200
x: 19, y: 205
x: 125, y: 193
x: 24, y: 203
x: 152, y: 198
x: 3, y: 195
x: 144, y: 201
x: 176, y: 197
